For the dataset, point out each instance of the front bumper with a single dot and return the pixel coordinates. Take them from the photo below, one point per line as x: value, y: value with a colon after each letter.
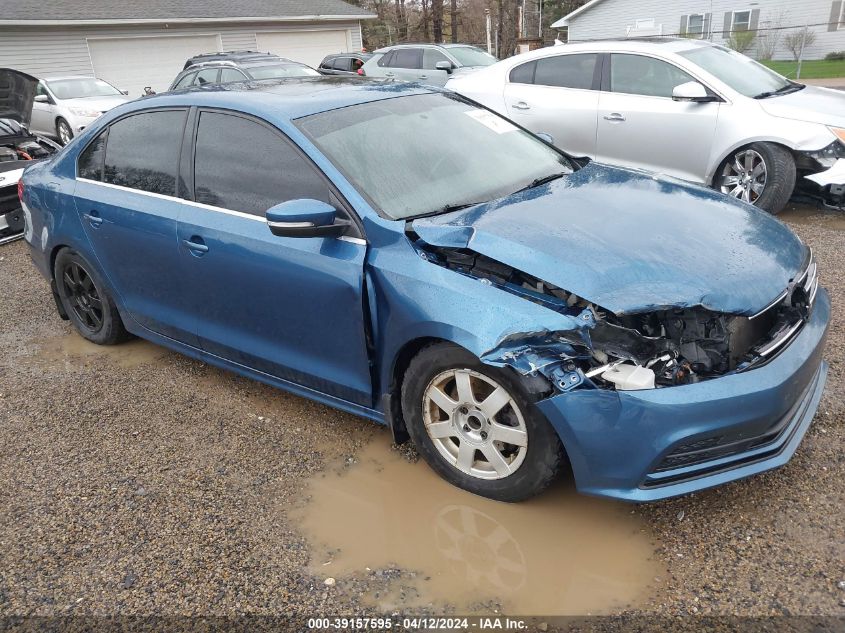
x: 657, y: 443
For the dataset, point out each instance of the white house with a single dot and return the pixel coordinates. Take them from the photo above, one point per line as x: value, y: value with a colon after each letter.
x: 146, y: 42
x: 715, y: 20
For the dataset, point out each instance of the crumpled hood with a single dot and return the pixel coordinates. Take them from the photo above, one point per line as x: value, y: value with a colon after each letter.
x: 101, y: 104
x: 811, y: 104
x: 631, y: 242
x: 17, y: 93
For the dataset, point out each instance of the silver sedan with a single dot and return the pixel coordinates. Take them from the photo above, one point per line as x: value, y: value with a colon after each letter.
x: 684, y: 108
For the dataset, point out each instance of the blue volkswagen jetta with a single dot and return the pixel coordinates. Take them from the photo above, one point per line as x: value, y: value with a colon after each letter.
x: 401, y: 253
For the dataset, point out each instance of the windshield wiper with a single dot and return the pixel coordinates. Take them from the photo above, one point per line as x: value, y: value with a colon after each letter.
x: 446, y: 209
x: 541, y: 181
x: 785, y: 90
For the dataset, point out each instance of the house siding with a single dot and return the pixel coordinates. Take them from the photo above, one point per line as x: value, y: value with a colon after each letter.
x: 42, y: 51
x: 612, y: 18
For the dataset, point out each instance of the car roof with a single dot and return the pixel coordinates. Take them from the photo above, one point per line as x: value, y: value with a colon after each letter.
x: 423, y: 45
x: 351, y: 54
x: 286, y: 99
x: 634, y: 44
x: 63, y: 77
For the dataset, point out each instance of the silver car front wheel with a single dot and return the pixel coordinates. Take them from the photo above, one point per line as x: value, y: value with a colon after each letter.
x: 475, y: 424
x: 745, y: 176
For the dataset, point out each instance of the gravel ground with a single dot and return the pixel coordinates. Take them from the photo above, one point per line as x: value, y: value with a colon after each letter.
x: 162, y: 487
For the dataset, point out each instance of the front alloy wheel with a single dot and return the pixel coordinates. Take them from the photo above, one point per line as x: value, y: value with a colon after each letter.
x: 475, y: 424
x: 745, y: 176
x: 64, y: 132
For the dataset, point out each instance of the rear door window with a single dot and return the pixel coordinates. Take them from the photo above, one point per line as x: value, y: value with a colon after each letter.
x: 343, y: 63
x: 386, y: 60
x: 567, y: 71
x: 407, y: 58
x: 186, y: 81
x: 230, y: 74
x: 245, y: 166
x: 523, y: 74
x: 207, y: 76
x: 142, y: 151
x: 90, y: 163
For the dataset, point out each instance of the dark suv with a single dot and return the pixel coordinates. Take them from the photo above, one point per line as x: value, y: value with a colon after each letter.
x: 221, y: 68
x: 344, y: 64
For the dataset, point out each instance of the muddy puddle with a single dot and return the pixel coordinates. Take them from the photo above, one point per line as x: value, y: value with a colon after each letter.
x: 823, y: 218
x: 73, y: 350
x: 561, y: 553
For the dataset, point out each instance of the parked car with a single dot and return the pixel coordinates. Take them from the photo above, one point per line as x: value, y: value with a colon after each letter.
x: 64, y: 106
x: 471, y: 286
x: 344, y: 64
x: 19, y: 148
x: 431, y: 64
x: 681, y: 107
x: 217, y: 68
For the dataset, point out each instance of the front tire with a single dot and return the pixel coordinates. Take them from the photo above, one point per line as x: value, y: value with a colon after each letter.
x: 63, y: 131
x: 762, y: 174
x: 86, y: 301
x: 475, y: 425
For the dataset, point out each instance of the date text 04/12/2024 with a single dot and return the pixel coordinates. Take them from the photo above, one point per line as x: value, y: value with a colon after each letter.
x: 480, y: 623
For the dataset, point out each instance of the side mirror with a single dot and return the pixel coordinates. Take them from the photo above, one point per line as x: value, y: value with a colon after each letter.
x: 305, y: 218
x: 444, y: 65
x: 42, y: 99
x: 545, y: 137
x: 691, y: 91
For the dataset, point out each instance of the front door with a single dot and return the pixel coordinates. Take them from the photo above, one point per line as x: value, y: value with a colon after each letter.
x: 288, y: 307
x: 126, y: 199
x: 43, y: 119
x: 558, y: 96
x: 640, y: 125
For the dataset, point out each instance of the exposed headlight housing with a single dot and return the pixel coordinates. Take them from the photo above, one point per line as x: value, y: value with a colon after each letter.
x: 827, y: 156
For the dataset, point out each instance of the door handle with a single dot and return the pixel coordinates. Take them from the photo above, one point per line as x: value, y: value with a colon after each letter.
x: 423, y: 77
x: 388, y: 74
x: 614, y: 116
x: 521, y: 106
x: 93, y: 218
x: 196, y: 246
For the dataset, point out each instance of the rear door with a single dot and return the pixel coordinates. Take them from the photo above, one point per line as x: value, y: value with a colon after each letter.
x: 288, y: 307
x: 640, y: 125
x: 126, y: 196
x: 559, y: 96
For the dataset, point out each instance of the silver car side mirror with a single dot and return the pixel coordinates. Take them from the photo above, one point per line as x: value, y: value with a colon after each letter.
x: 690, y: 91
x: 42, y: 99
x: 444, y: 65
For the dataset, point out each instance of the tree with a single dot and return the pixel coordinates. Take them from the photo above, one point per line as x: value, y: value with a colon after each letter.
x: 454, y: 21
x: 437, y: 20
x: 741, y: 41
x: 798, y: 40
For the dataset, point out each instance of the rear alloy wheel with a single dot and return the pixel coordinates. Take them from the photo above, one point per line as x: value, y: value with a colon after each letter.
x: 761, y: 174
x: 63, y: 131
x: 87, y: 303
x: 476, y: 425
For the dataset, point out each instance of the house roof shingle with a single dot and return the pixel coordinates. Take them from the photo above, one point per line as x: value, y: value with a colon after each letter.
x: 148, y: 10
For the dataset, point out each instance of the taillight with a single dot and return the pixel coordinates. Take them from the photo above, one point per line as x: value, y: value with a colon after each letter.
x: 361, y: 72
x: 20, y: 189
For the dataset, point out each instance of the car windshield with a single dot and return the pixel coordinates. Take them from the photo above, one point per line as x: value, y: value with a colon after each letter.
x: 471, y: 56
x: 739, y: 72
x: 426, y: 154
x: 278, y: 71
x: 80, y: 88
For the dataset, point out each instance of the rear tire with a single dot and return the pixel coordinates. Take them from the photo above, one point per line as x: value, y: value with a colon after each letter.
x: 762, y: 174
x: 86, y: 301
x: 476, y: 425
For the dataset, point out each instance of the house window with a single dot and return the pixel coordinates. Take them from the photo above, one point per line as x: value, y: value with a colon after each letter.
x: 741, y: 21
x: 695, y: 25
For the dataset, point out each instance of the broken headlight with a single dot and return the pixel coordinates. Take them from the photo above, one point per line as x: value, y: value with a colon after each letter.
x: 826, y: 157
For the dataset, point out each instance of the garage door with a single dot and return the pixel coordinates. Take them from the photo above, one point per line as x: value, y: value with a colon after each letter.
x: 308, y: 47
x: 131, y: 63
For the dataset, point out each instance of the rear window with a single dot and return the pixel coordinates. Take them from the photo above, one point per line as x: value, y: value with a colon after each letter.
x: 142, y: 151
x: 90, y: 164
x: 566, y: 71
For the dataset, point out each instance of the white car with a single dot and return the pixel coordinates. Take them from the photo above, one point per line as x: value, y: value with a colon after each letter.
x: 685, y: 108
x: 64, y: 106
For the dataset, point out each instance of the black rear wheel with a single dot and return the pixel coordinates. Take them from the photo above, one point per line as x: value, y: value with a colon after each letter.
x: 86, y: 301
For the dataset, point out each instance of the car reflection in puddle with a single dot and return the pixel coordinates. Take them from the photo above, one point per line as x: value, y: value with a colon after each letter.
x: 560, y: 553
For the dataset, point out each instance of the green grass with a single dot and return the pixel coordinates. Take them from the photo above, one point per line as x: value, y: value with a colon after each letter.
x: 811, y: 69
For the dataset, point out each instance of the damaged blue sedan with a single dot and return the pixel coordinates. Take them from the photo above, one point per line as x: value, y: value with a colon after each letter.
x: 403, y: 254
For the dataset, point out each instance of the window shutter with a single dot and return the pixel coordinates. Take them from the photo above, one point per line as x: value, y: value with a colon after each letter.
x: 726, y: 32
x: 706, y: 32
x: 755, y: 20
x: 683, y: 29
x: 835, y: 12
